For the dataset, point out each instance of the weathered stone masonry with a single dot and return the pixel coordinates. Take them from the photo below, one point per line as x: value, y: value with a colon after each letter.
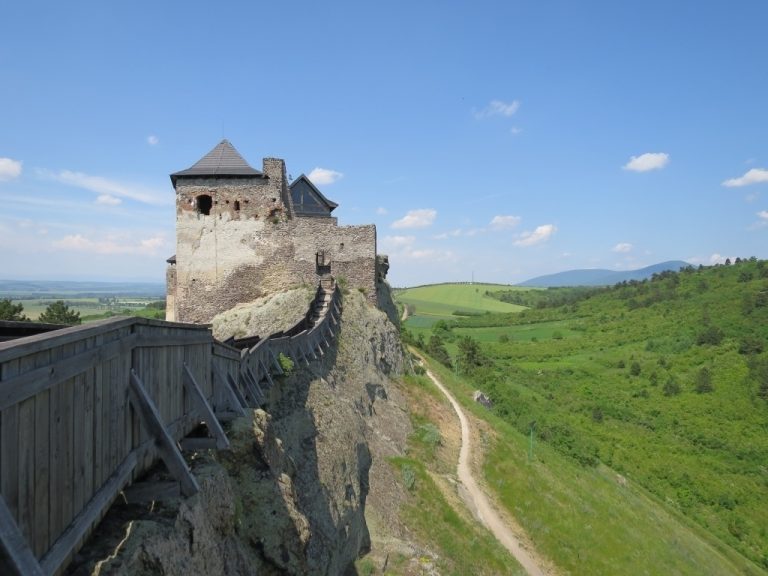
x: 239, y: 237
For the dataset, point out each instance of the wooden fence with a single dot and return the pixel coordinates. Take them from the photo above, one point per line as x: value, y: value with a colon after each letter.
x: 85, y: 411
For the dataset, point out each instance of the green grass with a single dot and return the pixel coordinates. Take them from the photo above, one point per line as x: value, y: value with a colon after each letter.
x: 582, y: 518
x: 442, y: 300
x: 598, y: 377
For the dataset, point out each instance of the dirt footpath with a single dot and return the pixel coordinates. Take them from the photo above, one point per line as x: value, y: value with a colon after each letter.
x: 477, y: 500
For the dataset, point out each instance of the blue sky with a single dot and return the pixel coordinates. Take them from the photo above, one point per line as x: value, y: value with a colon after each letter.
x: 503, y: 139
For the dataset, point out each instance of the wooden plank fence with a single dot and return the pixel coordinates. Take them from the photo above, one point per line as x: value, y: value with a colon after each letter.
x: 86, y: 410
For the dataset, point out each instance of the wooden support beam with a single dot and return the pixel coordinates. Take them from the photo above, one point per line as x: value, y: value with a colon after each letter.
x: 249, y: 388
x: 204, y: 409
x: 268, y: 377
x: 236, y: 391
x: 228, y: 392
x: 275, y: 362
x: 18, y: 555
x: 259, y: 396
x: 167, y: 448
x: 63, y: 548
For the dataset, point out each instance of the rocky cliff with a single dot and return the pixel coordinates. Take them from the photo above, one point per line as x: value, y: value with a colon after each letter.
x: 290, y: 496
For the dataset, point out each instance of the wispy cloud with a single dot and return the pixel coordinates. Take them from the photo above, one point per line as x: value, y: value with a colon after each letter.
x: 112, y: 244
x: 106, y: 187
x: 500, y: 222
x: 9, y: 169
x: 381, y: 211
x: 323, y: 176
x: 107, y: 200
x: 403, y: 247
x: 753, y: 176
x: 421, y: 218
x: 397, y: 241
x: 647, y: 161
x: 622, y: 247
x: 540, y: 234
x: 153, y: 140
x: 498, y: 108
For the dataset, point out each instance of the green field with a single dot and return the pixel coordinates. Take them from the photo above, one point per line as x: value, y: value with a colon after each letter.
x: 428, y: 304
x: 664, y: 382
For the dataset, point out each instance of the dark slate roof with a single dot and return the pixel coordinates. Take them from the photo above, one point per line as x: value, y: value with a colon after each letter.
x: 223, y: 160
x: 330, y: 203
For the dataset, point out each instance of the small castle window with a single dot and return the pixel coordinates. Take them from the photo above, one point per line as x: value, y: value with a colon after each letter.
x: 341, y: 246
x: 203, y: 204
x: 237, y: 205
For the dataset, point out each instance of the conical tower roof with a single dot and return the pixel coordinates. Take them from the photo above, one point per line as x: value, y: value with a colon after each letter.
x: 223, y: 160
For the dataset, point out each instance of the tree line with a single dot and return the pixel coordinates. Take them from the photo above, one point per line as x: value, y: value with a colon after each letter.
x: 56, y: 313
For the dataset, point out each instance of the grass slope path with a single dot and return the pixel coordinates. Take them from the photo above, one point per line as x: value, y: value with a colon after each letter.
x: 488, y: 516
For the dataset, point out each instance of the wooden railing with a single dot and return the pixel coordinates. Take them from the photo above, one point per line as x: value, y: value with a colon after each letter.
x: 87, y: 410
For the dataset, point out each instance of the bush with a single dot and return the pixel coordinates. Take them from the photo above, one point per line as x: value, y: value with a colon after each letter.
x: 671, y: 387
x: 286, y: 364
x: 711, y: 335
x: 409, y: 476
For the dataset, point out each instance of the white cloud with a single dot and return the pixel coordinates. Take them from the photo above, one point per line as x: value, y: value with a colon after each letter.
x: 753, y: 176
x: 107, y: 187
x: 153, y: 140
x: 111, y: 244
x: 647, y: 161
x: 381, y: 211
x: 416, y: 219
x: 498, y: 108
x: 763, y: 214
x: 9, y: 169
x: 541, y: 234
x: 623, y: 247
x: 107, y: 200
x: 398, y: 241
x: 322, y: 176
x: 515, y: 130
x: 500, y: 222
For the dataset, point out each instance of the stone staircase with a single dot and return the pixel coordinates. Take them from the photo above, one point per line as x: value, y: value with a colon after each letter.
x: 322, y: 301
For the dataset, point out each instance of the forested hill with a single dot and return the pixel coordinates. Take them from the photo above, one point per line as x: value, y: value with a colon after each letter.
x: 598, y: 277
x: 663, y: 380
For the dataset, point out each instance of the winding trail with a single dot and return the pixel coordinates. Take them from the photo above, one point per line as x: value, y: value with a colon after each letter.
x: 477, y: 498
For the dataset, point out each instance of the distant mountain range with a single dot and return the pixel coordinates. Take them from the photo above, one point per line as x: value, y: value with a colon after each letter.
x: 597, y: 277
x: 42, y: 287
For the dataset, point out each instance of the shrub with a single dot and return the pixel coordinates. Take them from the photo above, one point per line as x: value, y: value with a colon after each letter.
x: 703, y: 381
x: 286, y: 364
x: 711, y: 335
x: 671, y: 387
x: 409, y: 476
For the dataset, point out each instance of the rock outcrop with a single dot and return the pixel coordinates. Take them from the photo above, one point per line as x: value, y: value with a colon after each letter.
x: 290, y: 495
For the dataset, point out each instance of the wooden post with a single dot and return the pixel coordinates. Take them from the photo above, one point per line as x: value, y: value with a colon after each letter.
x: 204, y: 409
x: 18, y: 554
x: 167, y: 448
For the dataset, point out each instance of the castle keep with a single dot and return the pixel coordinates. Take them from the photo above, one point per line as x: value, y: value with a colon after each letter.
x: 242, y: 233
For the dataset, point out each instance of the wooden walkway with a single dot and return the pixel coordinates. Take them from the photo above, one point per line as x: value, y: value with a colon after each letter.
x: 85, y: 411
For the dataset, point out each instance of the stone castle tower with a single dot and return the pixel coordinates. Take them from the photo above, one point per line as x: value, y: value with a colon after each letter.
x: 242, y: 233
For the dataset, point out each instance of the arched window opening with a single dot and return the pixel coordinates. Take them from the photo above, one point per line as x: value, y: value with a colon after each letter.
x: 204, y: 204
x: 237, y: 205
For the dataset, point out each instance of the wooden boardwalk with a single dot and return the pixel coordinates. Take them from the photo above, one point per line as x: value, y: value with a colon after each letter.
x: 85, y: 411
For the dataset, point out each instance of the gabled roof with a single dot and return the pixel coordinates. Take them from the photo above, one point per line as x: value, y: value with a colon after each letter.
x: 329, y: 203
x: 223, y: 160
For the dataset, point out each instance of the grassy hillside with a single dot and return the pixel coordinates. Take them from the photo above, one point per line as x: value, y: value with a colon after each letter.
x: 428, y: 304
x: 663, y: 381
